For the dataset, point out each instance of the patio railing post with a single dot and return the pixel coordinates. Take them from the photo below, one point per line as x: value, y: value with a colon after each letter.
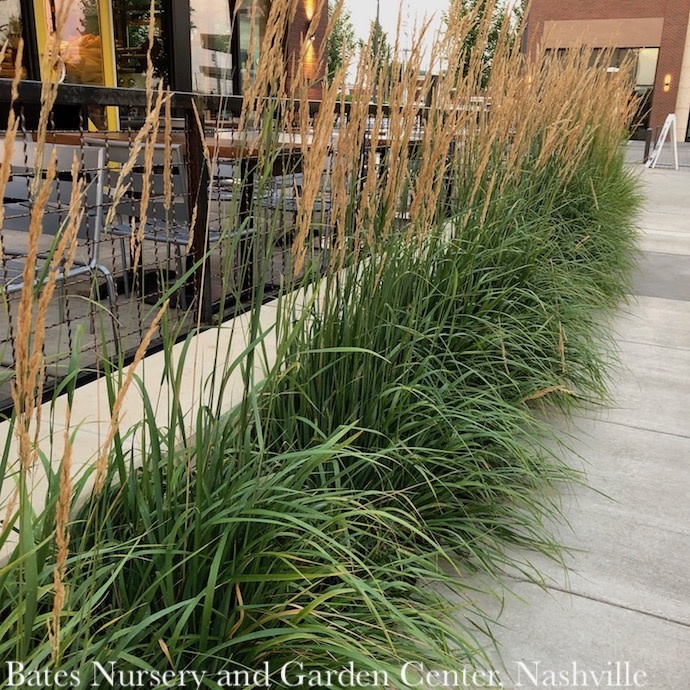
x: 198, y: 188
x: 647, y: 145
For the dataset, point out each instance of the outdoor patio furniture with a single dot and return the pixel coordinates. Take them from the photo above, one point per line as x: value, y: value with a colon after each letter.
x: 19, y: 200
x: 159, y: 221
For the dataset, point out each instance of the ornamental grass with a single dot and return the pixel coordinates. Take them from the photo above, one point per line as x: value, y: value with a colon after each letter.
x: 449, y: 294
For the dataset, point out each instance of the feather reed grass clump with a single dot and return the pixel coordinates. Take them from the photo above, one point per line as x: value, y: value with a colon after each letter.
x: 447, y: 325
x: 458, y: 287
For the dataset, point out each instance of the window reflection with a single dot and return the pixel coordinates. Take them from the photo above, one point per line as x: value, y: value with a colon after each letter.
x: 80, y: 46
x: 131, y: 25
x: 212, y: 61
x: 10, y: 31
x: 646, y: 66
x: 220, y: 61
x: 251, y: 27
x: 643, y: 61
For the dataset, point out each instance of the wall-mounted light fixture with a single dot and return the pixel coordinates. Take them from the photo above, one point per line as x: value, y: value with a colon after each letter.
x: 667, y: 82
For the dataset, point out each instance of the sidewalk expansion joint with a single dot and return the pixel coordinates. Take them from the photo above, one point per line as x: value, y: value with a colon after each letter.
x: 601, y: 600
x: 679, y: 348
x: 639, y: 428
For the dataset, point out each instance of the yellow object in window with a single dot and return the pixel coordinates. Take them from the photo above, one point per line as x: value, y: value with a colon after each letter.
x: 83, y: 57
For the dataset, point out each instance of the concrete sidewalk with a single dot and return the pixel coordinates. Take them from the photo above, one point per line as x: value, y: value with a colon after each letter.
x: 624, y: 606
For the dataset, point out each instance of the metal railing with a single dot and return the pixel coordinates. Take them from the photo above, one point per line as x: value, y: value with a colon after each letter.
x: 220, y: 241
x: 185, y: 249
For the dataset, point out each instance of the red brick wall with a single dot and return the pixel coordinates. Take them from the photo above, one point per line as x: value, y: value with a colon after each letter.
x: 670, y: 59
x: 542, y: 10
x: 674, y: 12
x: 302, y: 26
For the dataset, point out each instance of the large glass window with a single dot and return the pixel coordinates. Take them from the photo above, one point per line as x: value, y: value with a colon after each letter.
x: 221, y: 61
x: 643, y: 61
x: 211, y: 36
x: 646, y: 67
x: 131, y: 28
x: 251, y: 26
x: 80, y: 45
x: 10, y: 31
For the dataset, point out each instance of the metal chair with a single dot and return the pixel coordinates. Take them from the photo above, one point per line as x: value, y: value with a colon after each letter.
x: 163, y: 223
x: 19, y: 201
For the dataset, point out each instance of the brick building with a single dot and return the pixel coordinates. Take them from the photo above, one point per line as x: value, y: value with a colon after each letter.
x: 656, y: 32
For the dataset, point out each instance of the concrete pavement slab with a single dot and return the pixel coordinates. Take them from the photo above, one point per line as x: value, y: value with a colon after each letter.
x: 667, y: 217
x: 661, y: 274
x: 664, y: 188
x: 629, y: 529
x: 669, y: 242
x: 654, y: 321
x: 576, y: 635
x: 652, y: 390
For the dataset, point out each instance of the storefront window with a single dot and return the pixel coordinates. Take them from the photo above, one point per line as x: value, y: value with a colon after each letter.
x: 212, y: 61
x: 80, y: 45
x: 646, y: 66
x: 10, y: 31
x: 250, y: 36
x: 131, y: 27
x: 221, y: 62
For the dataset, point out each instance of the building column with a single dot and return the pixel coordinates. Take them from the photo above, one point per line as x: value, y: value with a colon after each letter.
x: 178, y: 16
x: 683, y: 98
x: 669, y: 67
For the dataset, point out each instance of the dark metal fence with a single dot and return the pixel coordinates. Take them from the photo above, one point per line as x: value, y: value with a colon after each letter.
x: 167, y: 232
x: 212, y: 238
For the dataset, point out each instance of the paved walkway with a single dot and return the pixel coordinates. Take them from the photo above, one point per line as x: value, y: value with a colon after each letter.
x: 624, y: 605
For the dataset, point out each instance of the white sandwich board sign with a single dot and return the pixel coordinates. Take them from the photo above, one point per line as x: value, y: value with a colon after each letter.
x: 669, y: 126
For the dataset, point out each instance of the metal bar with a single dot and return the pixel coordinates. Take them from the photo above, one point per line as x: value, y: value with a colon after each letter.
x: 31, y: 57
x: 80, y: 94
x: 235, y: 50
x: 647, y: 145
x: 178, y: 19
x: 198, y: 178
x: 248, y: 171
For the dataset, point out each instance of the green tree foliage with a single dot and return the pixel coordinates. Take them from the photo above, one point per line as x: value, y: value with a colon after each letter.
x: 341, y: 41
x: 481, y: 36
x: 380, y: 48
